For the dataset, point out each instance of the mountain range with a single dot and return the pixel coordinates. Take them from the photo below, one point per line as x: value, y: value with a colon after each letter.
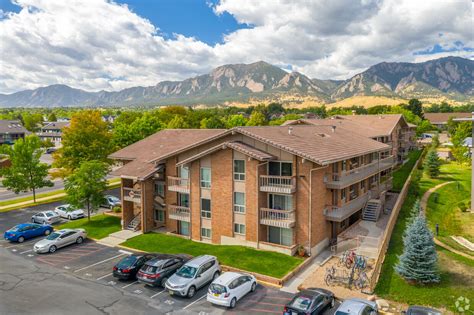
x: 449, y: 77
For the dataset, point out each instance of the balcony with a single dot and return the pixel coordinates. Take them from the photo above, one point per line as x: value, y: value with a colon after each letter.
x: 346, y: 178
x: 278, y: 218
x: 386, y: 162
x: 338, y: 214
x: 278, y: 184
x: 179, y: 213
x: 178, y: 184
x: 130, y: 194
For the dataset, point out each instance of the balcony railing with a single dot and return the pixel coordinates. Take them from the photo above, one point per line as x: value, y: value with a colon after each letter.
x: 278, y: 218
x: 130, y: 194
x: 338, y: 214
x: 346, y: 178
x: 278, y: 184
x: 386, y: 162
x: 179, y: 213
x: 178, y: 184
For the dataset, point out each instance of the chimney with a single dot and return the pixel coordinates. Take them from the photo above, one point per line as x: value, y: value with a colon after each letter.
x: 333, y: 128
x: 290, y: 130
x: 353, y: 112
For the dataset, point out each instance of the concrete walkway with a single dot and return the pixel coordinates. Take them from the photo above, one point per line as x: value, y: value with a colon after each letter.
x: 427, y: 194
x: 119, y: 237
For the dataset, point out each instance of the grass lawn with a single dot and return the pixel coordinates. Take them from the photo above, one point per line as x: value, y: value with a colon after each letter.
x: 27, y: 198
x: 456, y: 271
x: 245, y: 258
x: 400, y: 175
x: 100, y: 226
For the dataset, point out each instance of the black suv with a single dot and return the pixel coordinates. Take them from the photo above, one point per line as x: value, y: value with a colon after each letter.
x: 155, y: 272
x: 127, y: 268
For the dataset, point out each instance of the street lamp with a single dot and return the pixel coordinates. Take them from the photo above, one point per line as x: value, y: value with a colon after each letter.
x: 472, y: 157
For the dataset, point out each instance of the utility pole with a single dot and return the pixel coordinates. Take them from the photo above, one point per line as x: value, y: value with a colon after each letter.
x: 472, y: 157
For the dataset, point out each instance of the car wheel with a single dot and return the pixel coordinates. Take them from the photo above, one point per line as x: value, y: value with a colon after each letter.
x: 163, y: 281
x: 79, y: 240
x: 232, y: 303
x: 21, y: 239
x: 33, y: 220
x: 254, y: 286
x: 69, y: 217
x: 47, y: 232
x: 191, y: 291
x: 332, y: 303
x: 216, y: 274
x: 52, y: 249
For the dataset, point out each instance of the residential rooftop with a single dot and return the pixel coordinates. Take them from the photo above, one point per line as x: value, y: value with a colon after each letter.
x: 442, y: 118
x: 12, y: 126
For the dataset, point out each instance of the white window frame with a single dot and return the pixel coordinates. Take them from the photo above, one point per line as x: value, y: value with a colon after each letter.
x: 205, y: 183
x: 238, y: 207
x: 206, y: 214
x: 238, y: 176
x: 204, y: 233
x: 238, y: 228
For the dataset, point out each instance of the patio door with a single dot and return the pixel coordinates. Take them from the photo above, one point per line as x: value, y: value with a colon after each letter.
x: 183, y: 228
x: 280, y: 236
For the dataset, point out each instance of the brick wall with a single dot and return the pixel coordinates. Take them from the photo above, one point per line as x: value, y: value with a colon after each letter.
x: 170, y: 196
x: 195, y: 200
x: 302, y: 201
x: 147, y: 205
x: 127, y: 206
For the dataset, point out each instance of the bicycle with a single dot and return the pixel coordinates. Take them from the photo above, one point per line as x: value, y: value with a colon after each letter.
x: 362, y: 281
x: 347, y: 258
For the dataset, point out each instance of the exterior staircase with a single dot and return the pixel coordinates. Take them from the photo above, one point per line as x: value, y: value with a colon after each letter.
x: 372, y: 210
x: 134, y: 225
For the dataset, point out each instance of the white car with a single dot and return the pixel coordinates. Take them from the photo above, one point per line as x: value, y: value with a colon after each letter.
x: 68, y: 212
x: 60, y: 239
x: 230, y: 287
x: 45, y: 217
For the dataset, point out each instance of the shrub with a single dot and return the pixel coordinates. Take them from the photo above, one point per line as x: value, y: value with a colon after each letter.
x: 117, y: 209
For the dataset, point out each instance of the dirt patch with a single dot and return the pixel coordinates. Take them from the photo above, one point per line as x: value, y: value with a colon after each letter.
x: 460, y: 274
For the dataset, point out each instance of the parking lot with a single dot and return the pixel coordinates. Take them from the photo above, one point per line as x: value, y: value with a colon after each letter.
x: 93, y: 262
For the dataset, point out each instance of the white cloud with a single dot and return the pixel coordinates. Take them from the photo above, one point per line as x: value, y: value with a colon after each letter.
x: 98, y: 44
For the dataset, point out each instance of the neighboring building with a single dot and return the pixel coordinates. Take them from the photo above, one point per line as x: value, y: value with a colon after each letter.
x: 391, y: 129
x: 439, y: 120
x: 272, y: 187
x: 109, y: 118
x: 53, y: 131
x: 11, y: 130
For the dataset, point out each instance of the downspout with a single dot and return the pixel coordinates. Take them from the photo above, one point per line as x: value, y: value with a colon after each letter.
x: 310, y: 212
x: 257, y: 201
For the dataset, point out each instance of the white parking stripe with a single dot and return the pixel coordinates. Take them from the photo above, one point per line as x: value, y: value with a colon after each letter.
x: 157, y: 294
x: 126, y: 286
x: 105, y: 276
x: 194, y: 302
x: 98, y: 263
x: 26, y: 251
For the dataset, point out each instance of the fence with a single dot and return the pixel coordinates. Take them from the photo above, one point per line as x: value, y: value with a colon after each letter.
x: 390, y: 226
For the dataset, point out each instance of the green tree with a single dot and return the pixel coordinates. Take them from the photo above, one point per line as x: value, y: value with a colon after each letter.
x: 86, y: 139
x: 275, y: 108
x: 432, y: 164
x: 257, y: 118
x: 435, y: 141
x: 125, y: 133
x: 423, y: 127
x: 415, y: 106
x: 32, y: 122
x: 212, y: 122
x: 459, y: 150
x: 52, y: 117
x: 47, y: 143
x: 278, y: 122
x: 235, y: 121
x: 26, y: 172
x: 85, y: 186
x: 418, y: 262
x: 451, y: 126
x: 178, y: 122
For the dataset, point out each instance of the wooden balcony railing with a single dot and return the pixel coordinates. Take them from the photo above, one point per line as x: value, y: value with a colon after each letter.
x: 181, y: 213
x: 178, y: 184
x: 278, y: 184
x: 130, y: 194
x: 278, y: 218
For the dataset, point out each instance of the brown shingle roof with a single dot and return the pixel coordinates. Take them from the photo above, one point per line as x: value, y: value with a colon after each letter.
x: 316, y: 143
x: 56, y: 125
x: 12, y: 126
x: 442, y: 118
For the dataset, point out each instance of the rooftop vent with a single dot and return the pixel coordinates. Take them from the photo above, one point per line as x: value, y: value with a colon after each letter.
x: 333, y: 128
x: 290, y: 130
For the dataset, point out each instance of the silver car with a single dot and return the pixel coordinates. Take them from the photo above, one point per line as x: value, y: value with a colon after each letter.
x: 60, y: 239
x: 45, y: 217
x: 193, y: 275
x: 357, y: 306
x: 69, y: 212
x: 111, y: 201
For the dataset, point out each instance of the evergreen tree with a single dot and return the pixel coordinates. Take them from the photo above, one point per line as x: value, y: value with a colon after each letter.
x: 419, y: 259
x: 414, y: 213
x: 432, y: 164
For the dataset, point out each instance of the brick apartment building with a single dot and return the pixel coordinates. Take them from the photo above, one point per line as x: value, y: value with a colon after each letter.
x: 272, y: 188
x: 391, y: 129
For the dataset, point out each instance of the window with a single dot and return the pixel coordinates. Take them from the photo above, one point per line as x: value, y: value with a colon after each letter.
x: 205, y: 208
x: 343, y: 194
x: 184, y: 172
x: 205, y: 177
x: 239, y: 202
x: 205, y: 233
x: 353, y: 192
x: 362, y: 185
x: 160, y: 188
x: 159, y: 215
x: 280, y: 236
x: 239, y: 228
x: 183, y: 200
x: 239, y: 169
x: 280, y: 202
x: 280, y: 168
x: 344, y: 164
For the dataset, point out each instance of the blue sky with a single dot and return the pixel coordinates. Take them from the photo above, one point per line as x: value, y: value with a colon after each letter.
x: 105, y: 45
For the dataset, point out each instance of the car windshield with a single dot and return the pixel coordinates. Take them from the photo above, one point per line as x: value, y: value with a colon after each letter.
x: 127, y: 262
x: 217, y: 288
x: 301, y: 303
x: 149, y: 269
x: 341, y: 313
x: 49, y: 214
x: 113, y: 199
x: 186, y: 272
x: 14, y: 229
x: 53, y: 236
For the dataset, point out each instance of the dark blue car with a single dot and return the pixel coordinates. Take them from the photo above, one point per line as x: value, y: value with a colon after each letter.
x: 21, y: 232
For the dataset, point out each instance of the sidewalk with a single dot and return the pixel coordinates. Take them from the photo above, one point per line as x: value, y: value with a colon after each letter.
x: 30, y: 202
x: 119, y: 237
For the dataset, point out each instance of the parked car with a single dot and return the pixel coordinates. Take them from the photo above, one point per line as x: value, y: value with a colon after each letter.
x: 193, y: 275
x: 51, y: 150
x: 128, y: 267
x: 21, y: 232
x: 69, y: 212
x: 357, y: 307
x: 421, y: 310
x: 111, y: 201
x: 156, y: 271
x: 45, y: 217
x: 230, y: 287
x: 60, y: 239
x: 310, y: 301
